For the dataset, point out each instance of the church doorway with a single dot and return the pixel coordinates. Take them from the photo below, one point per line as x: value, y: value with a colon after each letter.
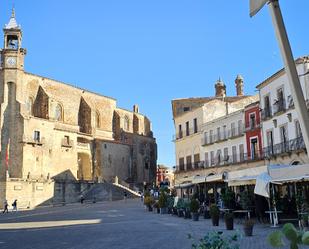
x: 84, y: 167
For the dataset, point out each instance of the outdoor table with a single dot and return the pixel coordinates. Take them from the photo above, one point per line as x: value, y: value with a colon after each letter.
x: 228, y: 210
x: 273, y: 216
x: 243, y: 211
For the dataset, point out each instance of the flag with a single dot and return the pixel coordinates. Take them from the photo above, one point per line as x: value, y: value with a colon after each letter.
x: 256, y: 5
x: 7, y: 155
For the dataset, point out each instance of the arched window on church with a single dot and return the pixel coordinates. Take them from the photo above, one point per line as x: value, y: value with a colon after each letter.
x: 126, y: 124
x: 30, y: 106
x: 97, y: 120
x: 58, y: 113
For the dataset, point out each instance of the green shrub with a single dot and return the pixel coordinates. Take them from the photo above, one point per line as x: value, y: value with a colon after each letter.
x: 163, y: 200
x: 214, y: 210
x: 228, y: 215
x: 148, y: 201
x: 180, y: 204
x: 194, y: 206
x: 170, y: 202
x: 294, y: 237
x: 228, y: 198
x: 216, y: 240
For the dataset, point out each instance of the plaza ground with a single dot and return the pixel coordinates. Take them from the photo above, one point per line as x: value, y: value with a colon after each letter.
x: 109, y: 225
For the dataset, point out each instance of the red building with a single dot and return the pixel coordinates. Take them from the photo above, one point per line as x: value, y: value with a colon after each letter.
x: 253, y: 131
x: 164, y: 174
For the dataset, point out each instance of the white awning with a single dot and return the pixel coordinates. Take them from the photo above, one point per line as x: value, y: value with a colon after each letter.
x: 289, y: 173
x: 279, y: 174
x: 245, y: 176
x: 215, y: 178
x: 199, y: 179
x: 184, y: 185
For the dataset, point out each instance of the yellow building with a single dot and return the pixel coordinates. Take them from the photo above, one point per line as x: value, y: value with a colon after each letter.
x: 59, y: 134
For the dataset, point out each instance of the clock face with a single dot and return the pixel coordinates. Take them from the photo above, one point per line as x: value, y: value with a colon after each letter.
x: 11, y: 61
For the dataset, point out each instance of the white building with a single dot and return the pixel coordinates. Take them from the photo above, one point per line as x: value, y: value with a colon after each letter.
x: 192, y: 116
x: 282, y: 136
x: 224, y: 140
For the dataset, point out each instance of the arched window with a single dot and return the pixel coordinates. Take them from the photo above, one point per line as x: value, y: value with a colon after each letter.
x: 126, y: 125
x: 30, y: 105
x: 97, y: 119
x: 58, y: 113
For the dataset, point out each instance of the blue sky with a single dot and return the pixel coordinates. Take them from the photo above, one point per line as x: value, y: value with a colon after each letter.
x: 152, y: 51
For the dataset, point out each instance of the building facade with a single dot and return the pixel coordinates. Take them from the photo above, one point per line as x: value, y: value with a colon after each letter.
x: 210, y: 135
x: 52, y: 131
x: 282, y: 137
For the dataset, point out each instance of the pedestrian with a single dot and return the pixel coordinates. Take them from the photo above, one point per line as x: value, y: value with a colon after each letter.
x: 5, y: 206
x: 14, y: 205
x: 82, y: 198
x: 125, y: 195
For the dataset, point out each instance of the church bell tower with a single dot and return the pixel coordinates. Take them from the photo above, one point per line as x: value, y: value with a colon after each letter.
x: 12, y: 55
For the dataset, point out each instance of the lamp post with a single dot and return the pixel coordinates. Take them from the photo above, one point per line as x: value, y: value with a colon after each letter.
x: 287, y: 56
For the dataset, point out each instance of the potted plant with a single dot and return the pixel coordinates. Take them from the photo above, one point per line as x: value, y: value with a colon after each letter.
x: 304, y: 220
x: 180, y: 207
x: 156, y: 206
x: 214, y: 214
x: 229, y: 221
x: 186, y: 210
x: 163, y: 202
x: 248, y: 227
x: 149, y: 201
x: 170, y: 204
x: 228, y: 198
x: 194, y: 208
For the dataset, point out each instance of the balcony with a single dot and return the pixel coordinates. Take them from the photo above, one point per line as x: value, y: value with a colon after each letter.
x: 223, y: 136
x: 183, y: 134
x: 279, y: 107
x: 31, y: 140
x: 253, y: 127
x: 67, y: 143
x: 288, y: 147
x: 266, y: 114
x: 190, y: 167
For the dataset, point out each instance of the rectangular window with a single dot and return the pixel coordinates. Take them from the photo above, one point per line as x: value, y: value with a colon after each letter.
x: 210, y: 136
x: 36, y: 136
x: 218, y: 134
x: 205, y: 138
x: 196, y: 158
x: 267, y: 109
x: 67, y: 140
x: 189, y: 162
x: 233, y: 129
x: 254, y: 148
x: 187, y: 129
x: 284, y: 138
x: 206, y: 159
x: 241, y: 153
x: 270, y: 142
x: 224, y: 132
x: 195, y: 125
x: 186, y: 109
x: 234, y: 153
x: 252, y: 121
x: 226, y: 154
x: 219, y: 157
x: 181, y: 163
x: 179, y: 131
x: 212, y: 158
x: 240, y: 128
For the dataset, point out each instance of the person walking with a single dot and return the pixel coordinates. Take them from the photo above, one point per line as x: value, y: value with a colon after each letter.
x: 125, y: 196
x: 5, y: 206
x: 14, y: 205
x: 82, y: 198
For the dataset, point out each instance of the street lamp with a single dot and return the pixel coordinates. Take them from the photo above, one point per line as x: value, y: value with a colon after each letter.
x: 287, y: 56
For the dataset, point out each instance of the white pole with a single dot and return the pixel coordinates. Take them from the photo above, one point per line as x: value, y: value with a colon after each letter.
x: 290, y: 68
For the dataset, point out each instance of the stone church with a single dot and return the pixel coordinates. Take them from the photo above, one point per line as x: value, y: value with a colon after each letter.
x: 55, y: 135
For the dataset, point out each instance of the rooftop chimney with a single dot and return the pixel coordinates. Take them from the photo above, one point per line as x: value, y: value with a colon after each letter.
x: 239, y: 83
x: 220, y: 89
x: 135, y: 108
